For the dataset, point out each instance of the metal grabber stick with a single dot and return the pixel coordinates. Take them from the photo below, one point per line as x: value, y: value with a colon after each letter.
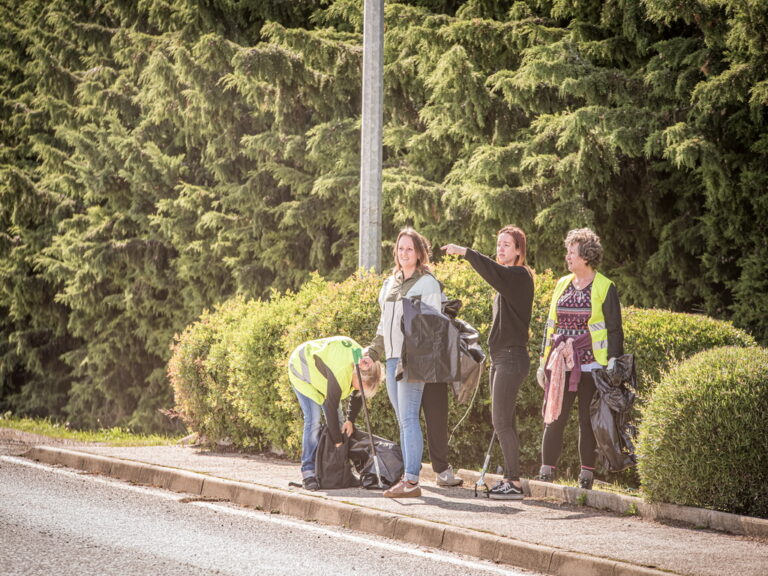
x: 481, y: 480
x: 357, y: 354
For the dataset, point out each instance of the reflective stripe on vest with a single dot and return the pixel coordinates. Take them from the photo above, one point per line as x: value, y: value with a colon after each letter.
x: 304, y: 376
x: 597, y: 329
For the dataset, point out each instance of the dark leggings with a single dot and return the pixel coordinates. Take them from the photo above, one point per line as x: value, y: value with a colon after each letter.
x: 509, y: 368
x: 552, y: 442
x: 434, y: 405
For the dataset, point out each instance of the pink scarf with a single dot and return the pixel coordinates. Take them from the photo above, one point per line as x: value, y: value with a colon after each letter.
x: 564, y: 356
x: 560, y: 361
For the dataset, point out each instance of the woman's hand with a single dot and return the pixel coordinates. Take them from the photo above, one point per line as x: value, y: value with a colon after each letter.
x: 347, y: 428
x: 454, y: 249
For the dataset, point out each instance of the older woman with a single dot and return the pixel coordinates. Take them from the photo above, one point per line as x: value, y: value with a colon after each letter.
x: 583, y: 332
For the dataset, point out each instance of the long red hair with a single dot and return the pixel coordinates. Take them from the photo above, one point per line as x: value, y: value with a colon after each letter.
x: 521, y: 243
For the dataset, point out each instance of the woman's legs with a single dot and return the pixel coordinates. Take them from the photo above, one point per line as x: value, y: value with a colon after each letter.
x: 508, y: 371
x: 406, y: 400
x: 434, y: 404
x: 587, y: 440
x: 311, y: 434
x: 552, y: 442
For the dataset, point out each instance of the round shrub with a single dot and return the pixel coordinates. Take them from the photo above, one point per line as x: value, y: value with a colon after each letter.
x: 703, y: 441
x: 198, y: 370
x: 259, y: 385
x: 659, y: 338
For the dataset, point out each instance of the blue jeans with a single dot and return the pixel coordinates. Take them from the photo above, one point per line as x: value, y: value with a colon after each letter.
x: 311, y: 435
x: 406, y: 400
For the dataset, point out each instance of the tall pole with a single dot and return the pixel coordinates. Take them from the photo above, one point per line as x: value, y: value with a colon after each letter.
x: 371, y: 136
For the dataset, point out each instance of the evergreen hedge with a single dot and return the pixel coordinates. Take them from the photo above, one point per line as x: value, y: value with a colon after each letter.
x: 233, y: 361
x: 704, y: 439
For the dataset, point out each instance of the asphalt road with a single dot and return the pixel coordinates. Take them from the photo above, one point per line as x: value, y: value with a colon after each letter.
x: 55, y: 521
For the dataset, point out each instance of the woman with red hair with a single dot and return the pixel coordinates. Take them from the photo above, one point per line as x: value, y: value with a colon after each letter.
x: 512, y: 279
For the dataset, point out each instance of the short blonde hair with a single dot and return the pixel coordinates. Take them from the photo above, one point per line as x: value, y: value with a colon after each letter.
x: 590, y: 248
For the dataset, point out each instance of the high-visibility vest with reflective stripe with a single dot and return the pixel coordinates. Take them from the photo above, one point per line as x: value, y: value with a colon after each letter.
x: 597, y: 329
x: 336, y: 352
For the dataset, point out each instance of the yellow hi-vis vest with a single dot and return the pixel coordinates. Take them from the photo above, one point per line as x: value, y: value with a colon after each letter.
x: 597, y: 329
x: 336, y: 352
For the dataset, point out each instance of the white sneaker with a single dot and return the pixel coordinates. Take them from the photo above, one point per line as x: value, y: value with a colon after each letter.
x: 447, y: 478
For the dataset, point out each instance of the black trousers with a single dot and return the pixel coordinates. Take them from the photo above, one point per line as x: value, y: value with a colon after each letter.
x: 509, y: 368
x: 434, y: 406
x: 552, y: 442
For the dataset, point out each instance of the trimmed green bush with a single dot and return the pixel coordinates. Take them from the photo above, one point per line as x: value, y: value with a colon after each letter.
x: 198, y: 372
x: 703, y: 441
x: 259, y: 386
x: 660, y: 338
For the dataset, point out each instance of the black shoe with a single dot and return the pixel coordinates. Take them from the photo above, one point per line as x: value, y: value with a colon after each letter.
x: 311, y: 483
x: 505, y: 491
x: 586, y: 483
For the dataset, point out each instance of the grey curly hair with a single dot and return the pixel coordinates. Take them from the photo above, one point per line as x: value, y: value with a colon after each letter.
x: 590, y: 248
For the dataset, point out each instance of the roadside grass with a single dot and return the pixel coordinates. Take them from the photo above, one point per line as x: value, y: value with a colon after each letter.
x: 109, y: 436
x: 615, y: 487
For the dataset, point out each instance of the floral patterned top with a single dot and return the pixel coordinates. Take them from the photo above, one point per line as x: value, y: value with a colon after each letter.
x: 573, y: 311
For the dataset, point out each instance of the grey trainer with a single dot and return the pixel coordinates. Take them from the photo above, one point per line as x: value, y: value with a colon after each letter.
x: 447, y: 478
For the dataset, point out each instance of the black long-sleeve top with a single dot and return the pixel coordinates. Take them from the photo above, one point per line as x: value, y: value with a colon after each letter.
x: 333, y: 401
x: 612, y: 315
x: 513, y: 304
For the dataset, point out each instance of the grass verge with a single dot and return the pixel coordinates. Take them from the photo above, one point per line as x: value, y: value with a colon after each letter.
x: 109, y: 436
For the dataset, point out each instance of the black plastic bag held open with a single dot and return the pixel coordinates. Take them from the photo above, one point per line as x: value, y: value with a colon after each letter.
x: 610, y: 413
x: 332, y: 465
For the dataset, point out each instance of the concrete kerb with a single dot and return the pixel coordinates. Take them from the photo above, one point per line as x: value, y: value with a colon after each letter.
x: 373, y: 522
x: 452, y: 539
x: 622, y: 504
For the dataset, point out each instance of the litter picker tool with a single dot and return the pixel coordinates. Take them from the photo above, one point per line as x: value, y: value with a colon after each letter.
x: 481, y: 481
x: 357, y: 355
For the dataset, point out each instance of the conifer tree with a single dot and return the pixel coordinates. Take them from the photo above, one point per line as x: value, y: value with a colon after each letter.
x: 34, y: 380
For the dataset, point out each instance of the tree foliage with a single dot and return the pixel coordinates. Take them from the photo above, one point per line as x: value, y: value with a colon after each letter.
x: 160, y: 157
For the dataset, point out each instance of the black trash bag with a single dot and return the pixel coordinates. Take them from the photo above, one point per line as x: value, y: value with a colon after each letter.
x: 610, y: 413
x: 388, y: 454
x: 430, y: 344
x: 438, y: 347
x: 333, y: 468
x: 451, y: 308
x: 472, y: 360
